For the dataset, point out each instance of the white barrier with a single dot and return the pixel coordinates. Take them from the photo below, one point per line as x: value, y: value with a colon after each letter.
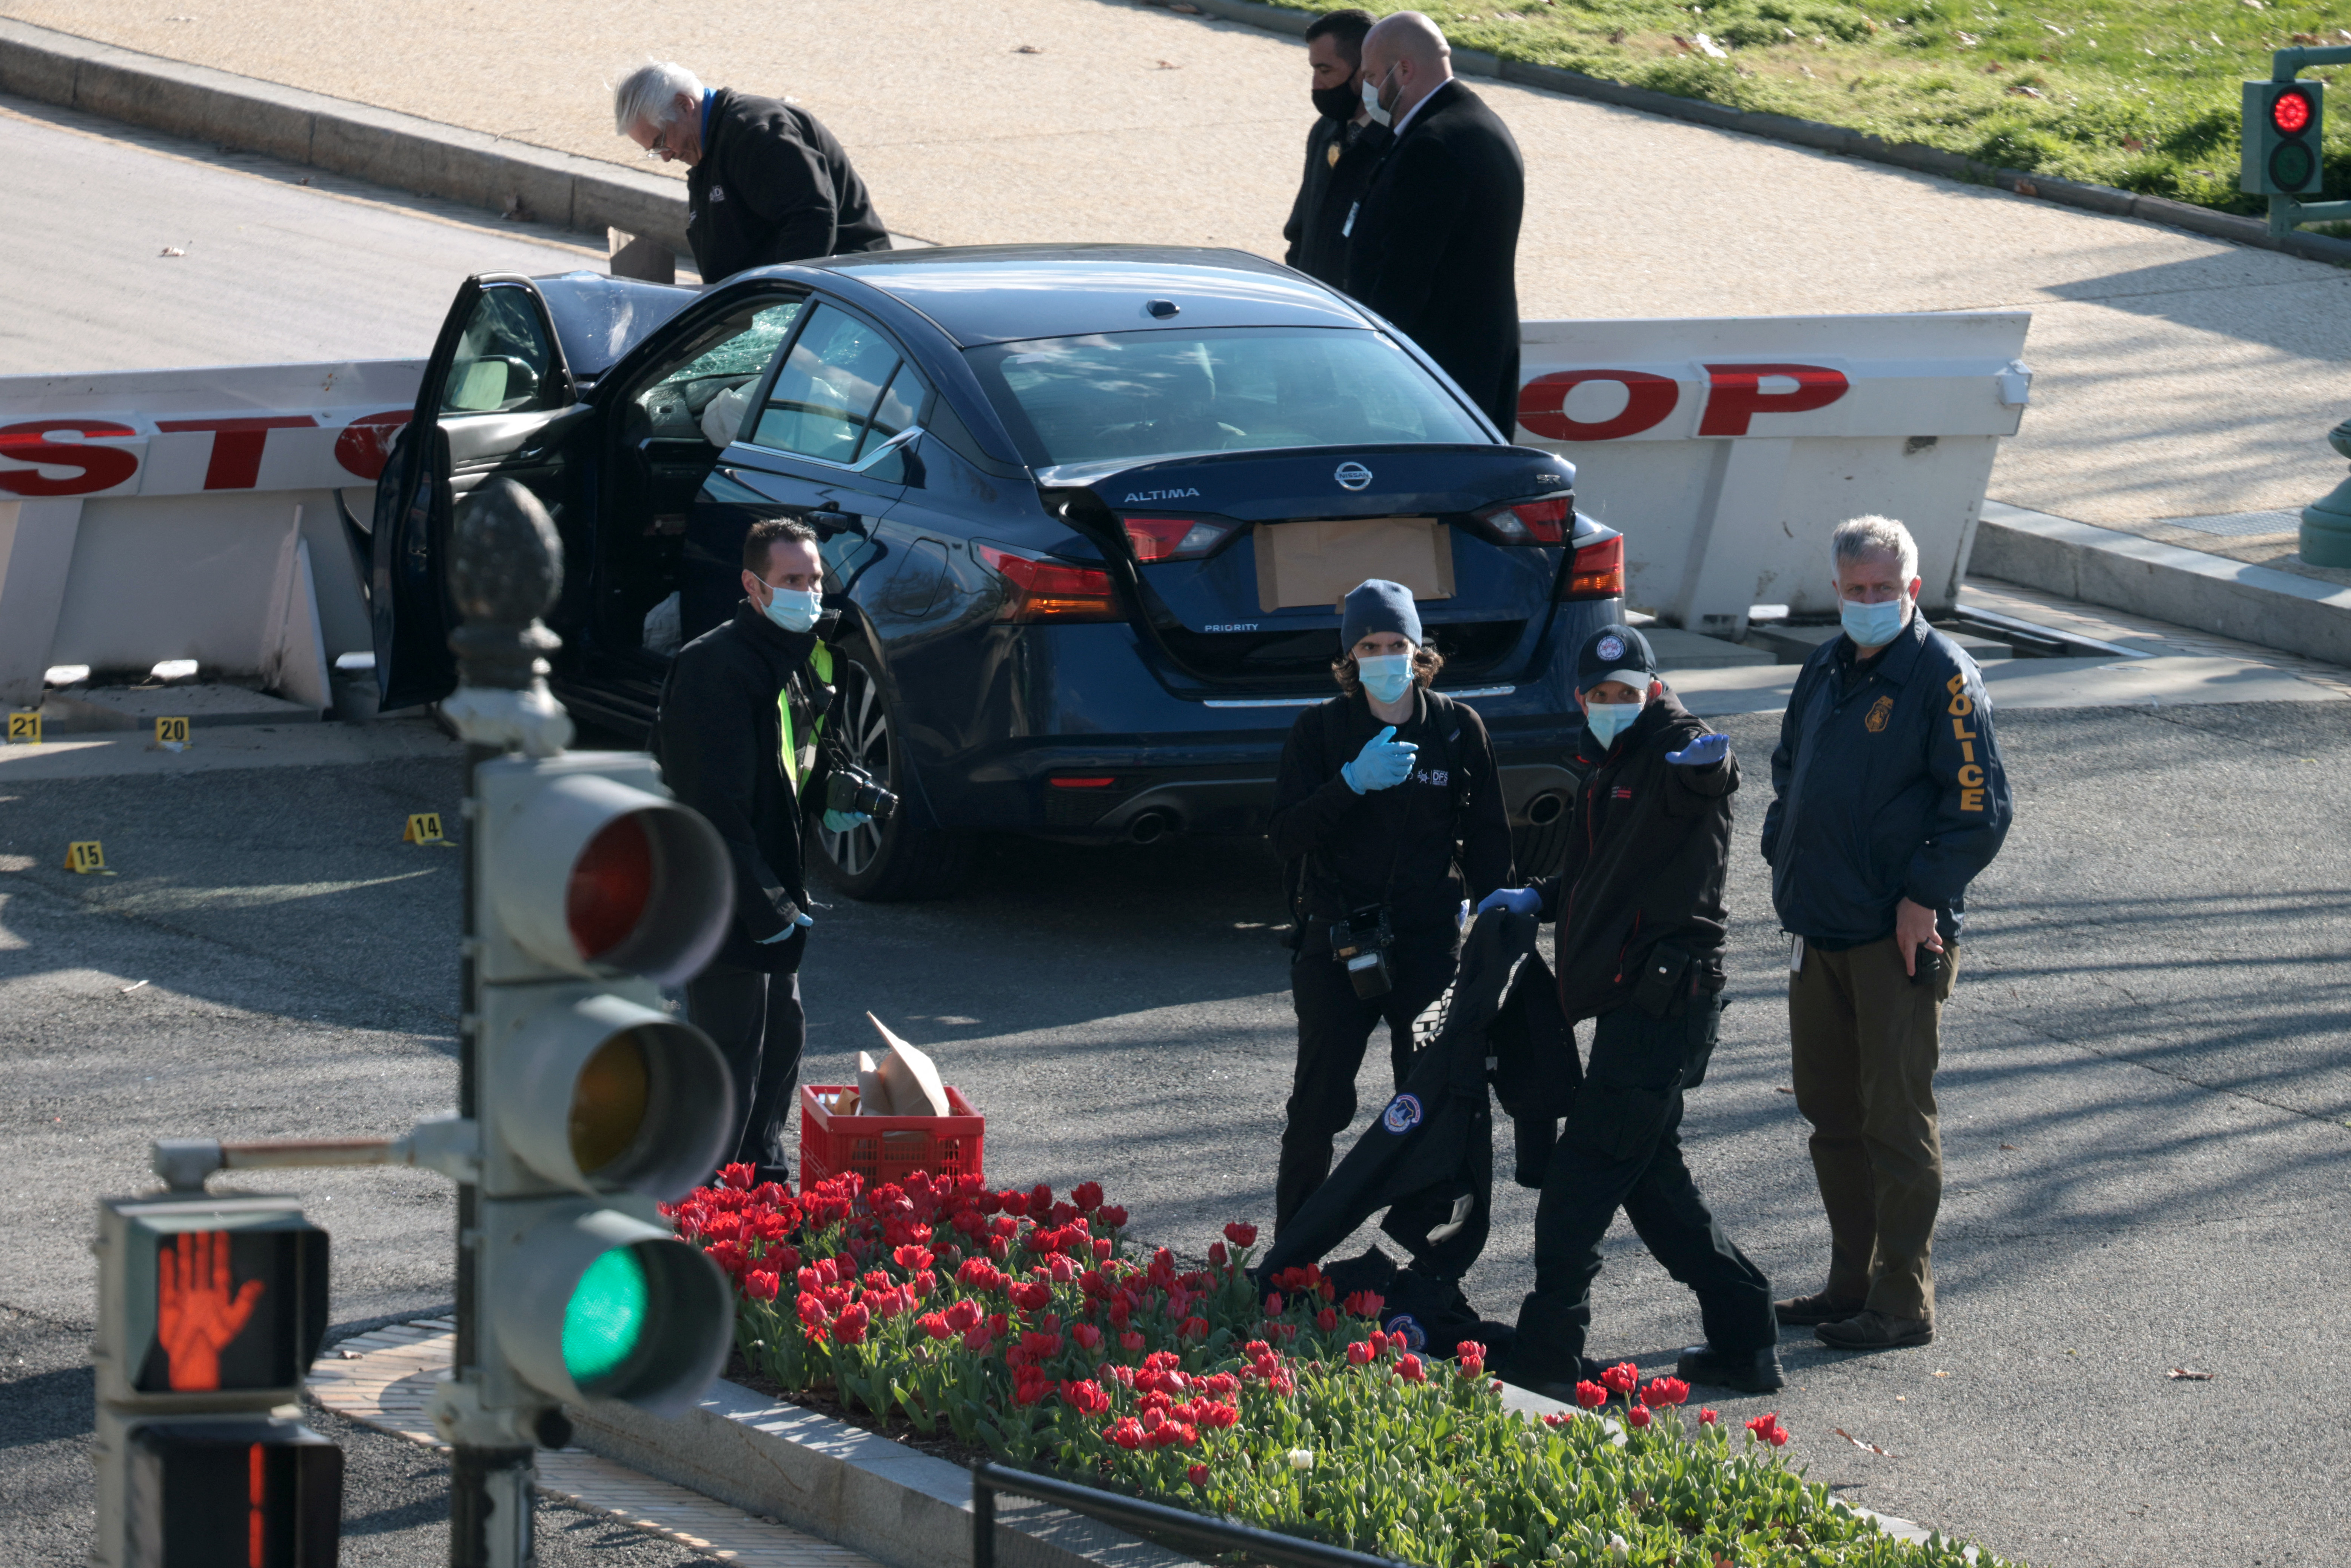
x: 189, y: 513
x: 153, y: 515
x: 1727, y: 450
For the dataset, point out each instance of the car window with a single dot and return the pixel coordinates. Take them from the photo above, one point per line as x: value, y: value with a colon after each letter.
x: 706, y: 396
x: 900, y: 406
x: 1136, y: 395
x: 502, y: 361
x: 823, y: 398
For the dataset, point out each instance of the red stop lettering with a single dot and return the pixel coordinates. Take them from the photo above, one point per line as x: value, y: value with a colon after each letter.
x: 94, y: 467
x: 365, y: 445
x: 237, y: 444
x: 1738, y: 394
x: 1543, y: 404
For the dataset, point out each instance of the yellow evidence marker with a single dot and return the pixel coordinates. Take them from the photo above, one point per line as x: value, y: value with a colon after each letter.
x: 172, y: 733
x: 425, y: 828
x: 24, y: 727
x: 85, y: 858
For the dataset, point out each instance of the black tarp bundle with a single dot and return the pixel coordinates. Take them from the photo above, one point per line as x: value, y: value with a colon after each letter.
x: 1428, y: 1157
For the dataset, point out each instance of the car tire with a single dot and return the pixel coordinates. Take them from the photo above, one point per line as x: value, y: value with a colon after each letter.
x: 905, y: 858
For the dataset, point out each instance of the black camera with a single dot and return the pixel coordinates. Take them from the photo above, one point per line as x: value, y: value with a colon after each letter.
x: 849, y: 787
x: 1361, y: 942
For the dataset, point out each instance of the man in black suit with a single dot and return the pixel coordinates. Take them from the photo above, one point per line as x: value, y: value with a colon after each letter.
x: 1343, y: 151
x: 1434, y: 245
x: 766, y: 181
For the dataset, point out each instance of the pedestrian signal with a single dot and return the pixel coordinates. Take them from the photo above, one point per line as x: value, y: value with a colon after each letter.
x: 253, y: 1493
x: 2280, y: 145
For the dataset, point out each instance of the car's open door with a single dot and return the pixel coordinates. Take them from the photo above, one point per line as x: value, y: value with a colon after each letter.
x: 496, y: 401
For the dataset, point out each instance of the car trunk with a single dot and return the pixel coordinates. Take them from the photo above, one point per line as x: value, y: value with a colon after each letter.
x: 1239, y: 560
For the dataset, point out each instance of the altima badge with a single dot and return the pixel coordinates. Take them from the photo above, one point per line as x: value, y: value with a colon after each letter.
x: 1352, y: 476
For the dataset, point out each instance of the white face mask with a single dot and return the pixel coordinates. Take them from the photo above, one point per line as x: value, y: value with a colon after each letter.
x: 1608, y: 720
x: 794, y: 609
x: 1386, y: 676
x: 1371, y: 102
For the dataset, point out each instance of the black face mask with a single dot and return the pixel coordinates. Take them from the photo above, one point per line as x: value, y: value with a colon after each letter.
x: 1338, y: 103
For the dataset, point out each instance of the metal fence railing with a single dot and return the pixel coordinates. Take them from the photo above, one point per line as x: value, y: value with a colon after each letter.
x: 1197, y: 1532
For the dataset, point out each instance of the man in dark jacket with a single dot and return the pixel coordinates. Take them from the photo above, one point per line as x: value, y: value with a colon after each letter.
x: 1435, y: 245
x: 1889, y: 797
x: 1641, y: 928
x: 1342, y: 151
x: 766, y: 182
x: 741, y: 714
x: 1376, y: 788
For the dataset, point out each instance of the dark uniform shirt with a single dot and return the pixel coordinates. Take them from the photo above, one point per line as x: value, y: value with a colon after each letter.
x: 1646, y: 860
x: 1394, y: 846
x: 773, y: 185
x: 1888, y: 786
x: 1340, y: 157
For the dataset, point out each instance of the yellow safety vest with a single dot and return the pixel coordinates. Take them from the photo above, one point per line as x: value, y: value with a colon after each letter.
x: 819, y: 666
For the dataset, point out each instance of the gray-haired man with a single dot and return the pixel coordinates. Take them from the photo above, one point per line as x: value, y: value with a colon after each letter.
x: 766, y: 182
x: 1889, y: 799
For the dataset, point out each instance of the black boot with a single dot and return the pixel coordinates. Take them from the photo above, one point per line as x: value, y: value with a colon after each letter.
x: 1748, y: 1372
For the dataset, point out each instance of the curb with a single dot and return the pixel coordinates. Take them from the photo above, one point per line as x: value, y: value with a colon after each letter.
x: 399, y: 151
x: 407, y: 152
x: 1826, y: 138
x: 2255, y: 605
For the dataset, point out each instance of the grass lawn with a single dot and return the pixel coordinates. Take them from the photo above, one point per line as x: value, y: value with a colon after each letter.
x: 2139, y: 94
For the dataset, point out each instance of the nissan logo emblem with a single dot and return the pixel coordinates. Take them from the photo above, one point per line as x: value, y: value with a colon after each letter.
x: 1352, y: 476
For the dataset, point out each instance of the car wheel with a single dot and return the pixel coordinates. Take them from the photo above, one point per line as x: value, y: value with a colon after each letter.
x: 899, y: 859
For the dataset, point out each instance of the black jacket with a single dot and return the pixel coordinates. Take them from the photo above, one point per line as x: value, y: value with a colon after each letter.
x: 1887, y: 786
x: 1338, y: 172
x: 1436, y: 245
x: 1645, y: 862
x: 718, y: 740
x: 1398, y: 845
x: 773, y: 186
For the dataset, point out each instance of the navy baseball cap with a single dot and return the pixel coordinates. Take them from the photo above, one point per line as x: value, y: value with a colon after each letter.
x: 1615, y: 653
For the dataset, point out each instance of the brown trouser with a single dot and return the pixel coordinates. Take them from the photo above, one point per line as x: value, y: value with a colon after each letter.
x: 1864, y: 1040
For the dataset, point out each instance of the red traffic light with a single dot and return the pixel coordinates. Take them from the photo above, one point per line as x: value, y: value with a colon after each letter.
x: 2289, y: 112
x: 611, y: 885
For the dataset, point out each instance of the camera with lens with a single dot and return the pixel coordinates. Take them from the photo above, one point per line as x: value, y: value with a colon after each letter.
x: 1361, y: 942
x: 849, y: 787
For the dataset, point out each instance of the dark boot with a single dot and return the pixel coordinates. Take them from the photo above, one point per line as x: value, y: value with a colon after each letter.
x: 1808, y: 1312
x: 1748, y: 1372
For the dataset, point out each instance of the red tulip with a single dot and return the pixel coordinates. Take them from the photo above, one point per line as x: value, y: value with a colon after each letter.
x: 1638, y: 1415
x: 1087, y: 1195
x: 1365, y: 1304
x: 935, y: 1325
x: 1361, y: 1355
x: 1110, y: 1214
x: 760, y: 1285
x: 1707, y: 1417
x: 849, y: 1328
x: 1621, y: 1378
x: 1031, y: 1296
x: 1327, y: 1320
x: 1411, y: 1370
x: 1130, y: 1341
x: 1218, y: 1256
x: 1767, y: 1428
x: 1102, y: 1248
x: 1665, y: 1391
x: 965, y: 1315
x: 1192, y: 1328
x: 1198, y: 1475
x: 1241, y: 1235
x: 1087, y: 1336
x: 1590, y: 1394
x: 1086, y: 1397
x: 1126, y: 1432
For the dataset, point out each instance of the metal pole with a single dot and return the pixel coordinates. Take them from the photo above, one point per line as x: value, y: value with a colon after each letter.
x: 983, y: 1521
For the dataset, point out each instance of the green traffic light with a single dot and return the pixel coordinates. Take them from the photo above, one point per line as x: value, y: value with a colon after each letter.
x: 605, y: 1318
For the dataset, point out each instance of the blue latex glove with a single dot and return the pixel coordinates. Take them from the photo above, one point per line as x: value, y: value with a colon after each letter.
x: 841, y: 821
x: 786, y: 934
x: 1704, y: 752
x: 1517, y: 900
x: 1383, y: 763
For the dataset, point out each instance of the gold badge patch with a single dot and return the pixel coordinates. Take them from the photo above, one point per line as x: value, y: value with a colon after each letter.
x: 1879, y: 714
x: 1331, y: 155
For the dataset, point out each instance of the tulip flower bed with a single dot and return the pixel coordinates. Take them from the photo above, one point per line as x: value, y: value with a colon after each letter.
x: 1030, y: 1328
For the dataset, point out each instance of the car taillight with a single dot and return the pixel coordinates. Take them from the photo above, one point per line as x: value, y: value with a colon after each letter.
x: 1174, y: 538
x: 1038, y: 589
x: 1543, y: 521
x: 1597, y: 572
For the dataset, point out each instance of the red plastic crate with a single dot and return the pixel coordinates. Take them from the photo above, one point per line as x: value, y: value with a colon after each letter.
x: 888, y: 1148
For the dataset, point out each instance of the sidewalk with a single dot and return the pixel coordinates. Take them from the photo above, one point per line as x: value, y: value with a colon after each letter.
x: 1129, y: 122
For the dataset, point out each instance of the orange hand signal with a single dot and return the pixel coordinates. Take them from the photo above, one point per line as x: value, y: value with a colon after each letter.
x: 195, y: 1315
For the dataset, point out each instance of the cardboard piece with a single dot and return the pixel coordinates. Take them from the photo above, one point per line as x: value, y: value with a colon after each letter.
x: 873, y: 1094
x: 1318, y: 563
x: 909, y: 1078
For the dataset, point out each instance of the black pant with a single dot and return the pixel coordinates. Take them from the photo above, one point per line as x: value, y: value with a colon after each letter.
x: 1621, y: 1148
x: 759, y: 1027
x: 1333, y: 1027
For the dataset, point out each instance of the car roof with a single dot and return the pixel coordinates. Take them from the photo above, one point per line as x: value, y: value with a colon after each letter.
x: 1006, y: 293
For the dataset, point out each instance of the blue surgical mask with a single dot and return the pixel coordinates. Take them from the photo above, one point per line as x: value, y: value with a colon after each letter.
x: 1871, y: 625
x: 1386, y: 676
x: 795, y: 609
x: 1372, y: 103
x: 1608, y: 720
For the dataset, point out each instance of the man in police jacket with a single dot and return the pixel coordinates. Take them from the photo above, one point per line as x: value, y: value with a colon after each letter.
x: 1639, y: 906
x: 1890, y: 798
x: 737, y: 736
x: 1435, y: 245
x: 1377, y: 788
x: 766, y: 182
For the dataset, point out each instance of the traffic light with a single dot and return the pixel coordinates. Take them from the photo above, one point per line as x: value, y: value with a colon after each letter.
x: 592, y: 889
x: 210, y: 1310
x: 2279, y: 150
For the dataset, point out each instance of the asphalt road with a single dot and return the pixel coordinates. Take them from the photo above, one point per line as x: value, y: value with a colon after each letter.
x: 2144, y: 1098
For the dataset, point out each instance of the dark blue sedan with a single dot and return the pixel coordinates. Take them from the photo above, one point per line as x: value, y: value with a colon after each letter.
x: 1085, y: 510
